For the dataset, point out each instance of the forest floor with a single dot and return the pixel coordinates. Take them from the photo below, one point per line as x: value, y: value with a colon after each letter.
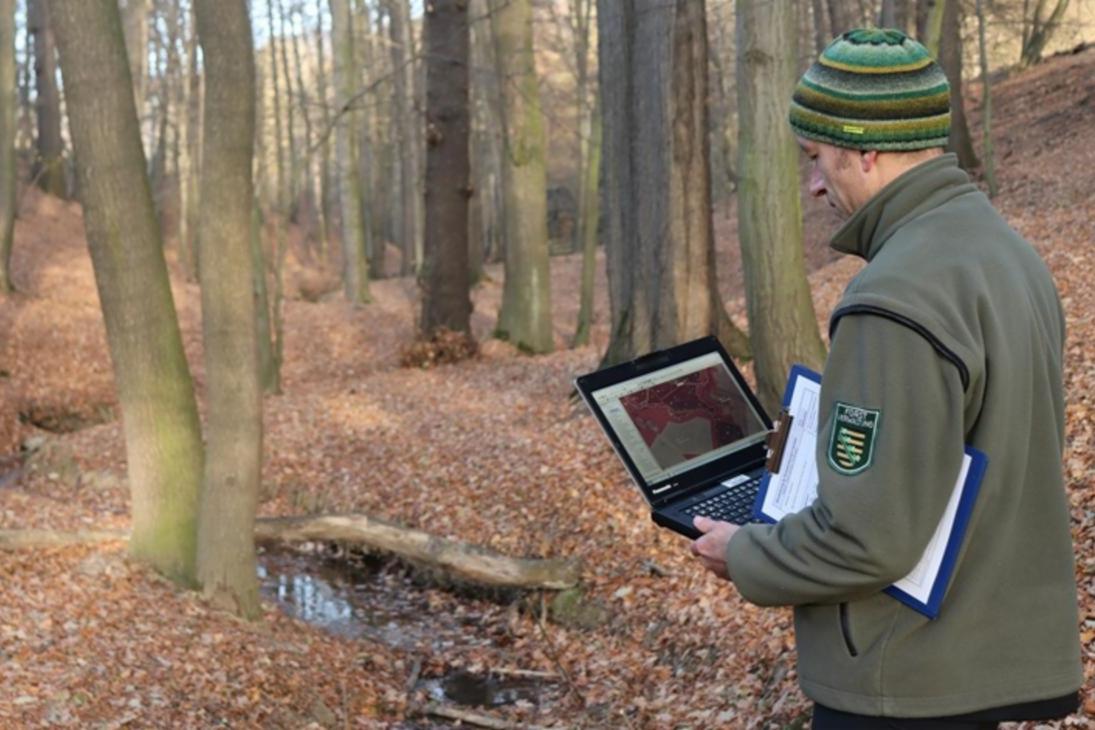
x: 491, y: 451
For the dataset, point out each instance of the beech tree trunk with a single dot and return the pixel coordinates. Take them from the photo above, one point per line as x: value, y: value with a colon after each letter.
x: 782, y: 323
x: 8, y: 181
x: 162, y: 433
x: 660, y: 240
x: 323, y: 173
x: 135, y: 25
x: 410, y: 206
x: 226, y: 549
x: 49, y: 165
x: 355, y: 270
x: 188, y: 135
x: 525, y: 315
x: 446, y: 302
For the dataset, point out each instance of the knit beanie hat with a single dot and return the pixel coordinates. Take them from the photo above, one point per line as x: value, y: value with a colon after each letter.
x: 873, y: 89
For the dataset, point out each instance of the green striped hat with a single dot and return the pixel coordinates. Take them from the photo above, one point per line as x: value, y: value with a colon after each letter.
x: 873, y: 89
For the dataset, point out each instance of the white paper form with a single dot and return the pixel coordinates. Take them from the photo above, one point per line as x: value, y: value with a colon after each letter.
x: 794, y: 488
x: 795, y: 485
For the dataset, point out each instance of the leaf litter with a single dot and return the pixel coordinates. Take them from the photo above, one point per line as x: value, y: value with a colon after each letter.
x: 491, y: 450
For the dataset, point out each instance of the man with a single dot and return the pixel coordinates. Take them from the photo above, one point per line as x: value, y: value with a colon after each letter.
x: 951, y: 334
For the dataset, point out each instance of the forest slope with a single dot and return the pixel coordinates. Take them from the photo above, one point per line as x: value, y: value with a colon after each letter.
x: 489, y: 451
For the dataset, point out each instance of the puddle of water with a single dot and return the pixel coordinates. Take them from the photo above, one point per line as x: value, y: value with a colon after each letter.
x: 381, y: 603
x: 481, y: 691
x: 354, y: 601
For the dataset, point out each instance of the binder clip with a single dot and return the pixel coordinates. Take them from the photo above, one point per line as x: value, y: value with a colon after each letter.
x: 777, y: 440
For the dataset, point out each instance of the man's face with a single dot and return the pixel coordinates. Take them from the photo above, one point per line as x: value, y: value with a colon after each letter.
x: 836, y: 173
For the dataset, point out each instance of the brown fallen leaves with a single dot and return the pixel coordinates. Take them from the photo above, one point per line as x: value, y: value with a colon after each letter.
x: 489, y: 450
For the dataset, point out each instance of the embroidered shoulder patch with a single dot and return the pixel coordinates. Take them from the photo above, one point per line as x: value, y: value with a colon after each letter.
x: 851, y: 444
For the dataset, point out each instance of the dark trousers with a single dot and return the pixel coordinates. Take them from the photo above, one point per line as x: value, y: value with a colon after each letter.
x: 826, y: 719
x: 1050, y: 709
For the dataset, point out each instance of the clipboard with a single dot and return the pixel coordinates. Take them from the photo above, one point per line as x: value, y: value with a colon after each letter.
x: 790, y: 484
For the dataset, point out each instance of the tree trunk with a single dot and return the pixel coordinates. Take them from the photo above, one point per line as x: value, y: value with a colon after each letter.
x: 226, y: 548
x: 306, y: 164
x: 135, y: 23
x: 660, y: 242
x: 821, y: 38
x: 410, y: 206
x: 525, y: 315
x: 8, y: 181
x: 1041, y: 30
x: 49, y: 165
x: 355, y: 271
x: 950, y: 58
x: 270, y: 361
x: 986, y: 105
x: 162, y: 433
x: 782, y: 323
x: 444, y: 278
x: 189, y: 128
x: 366, y: 114
x: 838, y: 17
x: 932, y: 35
x: 487, y: 134
x: 887, y: 15
x: 588, y: 218
x: 323, y: 172
x: 292, y: 183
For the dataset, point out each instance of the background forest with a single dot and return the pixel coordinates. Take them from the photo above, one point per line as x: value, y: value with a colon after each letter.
x: 292, y: 295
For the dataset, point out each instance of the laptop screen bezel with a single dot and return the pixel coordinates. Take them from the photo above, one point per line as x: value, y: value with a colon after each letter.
x: 665, y: 490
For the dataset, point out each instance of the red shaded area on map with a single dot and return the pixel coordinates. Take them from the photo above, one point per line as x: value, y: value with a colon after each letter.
x: 708, y: 395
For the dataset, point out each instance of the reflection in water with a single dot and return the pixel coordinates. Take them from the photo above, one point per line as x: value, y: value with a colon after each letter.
x: 312, y: 599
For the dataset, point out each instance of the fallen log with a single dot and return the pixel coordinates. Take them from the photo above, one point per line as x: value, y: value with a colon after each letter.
x: 465, y: 561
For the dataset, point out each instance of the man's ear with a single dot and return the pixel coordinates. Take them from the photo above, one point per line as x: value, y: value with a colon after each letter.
x: 868, y: 159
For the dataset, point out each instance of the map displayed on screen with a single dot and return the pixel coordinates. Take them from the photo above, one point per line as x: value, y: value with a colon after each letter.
x: 690, y: 416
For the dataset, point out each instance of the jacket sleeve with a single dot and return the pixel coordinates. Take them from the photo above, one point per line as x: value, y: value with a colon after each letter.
x: 867, y: 530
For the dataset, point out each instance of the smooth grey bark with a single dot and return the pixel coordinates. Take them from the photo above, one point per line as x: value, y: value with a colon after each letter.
x: 135, y: 14
x: 588, y: 219
x: 189, y: 154
x: 226, y: 547
x: 525, y: 315
x: 269, y: 313
x: 410, y: 207
x: 659, y: 239
x: 8, y: 102
x: 355, y: 270
x: 323, y: 172
x: 366, y: 116
x: 445, y: 276
x: 782, y: 324
x: 155, y: 390
x: 48, y: 166
x: 305, y: 101
x: 292, y: 180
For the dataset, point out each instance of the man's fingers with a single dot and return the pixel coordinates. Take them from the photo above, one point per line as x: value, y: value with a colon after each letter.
x: 703, y: 524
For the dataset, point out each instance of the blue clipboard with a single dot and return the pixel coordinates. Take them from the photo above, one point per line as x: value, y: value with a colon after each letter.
x: 970, y: 488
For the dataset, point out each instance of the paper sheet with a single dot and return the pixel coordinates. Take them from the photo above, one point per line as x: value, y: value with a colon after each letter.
x: 794, y: 487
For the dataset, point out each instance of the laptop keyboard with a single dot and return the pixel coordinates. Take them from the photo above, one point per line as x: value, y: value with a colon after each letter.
x: 730, y: 505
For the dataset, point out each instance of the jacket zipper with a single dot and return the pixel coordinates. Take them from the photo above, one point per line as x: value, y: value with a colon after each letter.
x: 963, y: 371
x: 846, y: 631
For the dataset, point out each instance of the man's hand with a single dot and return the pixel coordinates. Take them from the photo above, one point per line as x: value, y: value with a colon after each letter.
x: 711, y: 547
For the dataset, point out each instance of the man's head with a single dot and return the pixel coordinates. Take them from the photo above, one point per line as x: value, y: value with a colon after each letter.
x: 871, y: 106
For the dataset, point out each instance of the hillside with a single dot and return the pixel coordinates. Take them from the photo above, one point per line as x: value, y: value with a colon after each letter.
x: 490, y: 451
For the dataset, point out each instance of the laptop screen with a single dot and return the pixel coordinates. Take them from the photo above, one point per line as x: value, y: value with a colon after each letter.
x: 679, y: 417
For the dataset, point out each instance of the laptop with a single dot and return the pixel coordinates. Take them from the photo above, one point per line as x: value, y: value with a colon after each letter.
x: 689, y: 430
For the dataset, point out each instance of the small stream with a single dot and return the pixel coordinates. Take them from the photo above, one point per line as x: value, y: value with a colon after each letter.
x: 379, y: 601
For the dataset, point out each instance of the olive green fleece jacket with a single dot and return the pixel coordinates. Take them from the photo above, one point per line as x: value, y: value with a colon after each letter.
x: 954, y: 333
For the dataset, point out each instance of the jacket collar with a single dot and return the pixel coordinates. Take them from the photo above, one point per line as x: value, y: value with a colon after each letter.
x: 915, y: 191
